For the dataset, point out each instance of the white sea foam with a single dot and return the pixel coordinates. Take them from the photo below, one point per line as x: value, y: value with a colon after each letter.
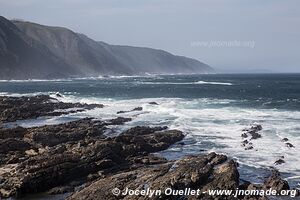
x: 81, y: 78
x: 186, y: 83
x: 213, y: 83
x: 10, y: 94
x: 41, y: 121
x: 47, y: 80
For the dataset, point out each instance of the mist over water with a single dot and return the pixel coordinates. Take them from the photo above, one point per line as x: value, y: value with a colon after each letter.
x: 212, y: 110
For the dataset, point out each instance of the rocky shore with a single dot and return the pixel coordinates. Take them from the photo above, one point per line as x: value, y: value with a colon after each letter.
x: 20, y: 108
x: 79, y: 159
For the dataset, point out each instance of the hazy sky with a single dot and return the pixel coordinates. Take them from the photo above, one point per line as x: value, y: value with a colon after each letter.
x: 241, y: 35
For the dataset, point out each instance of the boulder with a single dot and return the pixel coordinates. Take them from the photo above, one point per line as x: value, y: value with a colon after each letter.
x: 153, y: 103
x: 279, y: 162
x: 276, y: 182
x: 289, y: 145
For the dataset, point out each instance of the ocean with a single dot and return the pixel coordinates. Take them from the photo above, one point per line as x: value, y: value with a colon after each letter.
x: 211, y: 109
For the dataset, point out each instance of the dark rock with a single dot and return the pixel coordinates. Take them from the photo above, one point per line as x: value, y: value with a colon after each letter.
x: 225, y: 176
x: 61, y: 190
x: 20, y: 108
x: 58, y: 94
x: 297, y: 193
x: 253, y: 187
x: 138, y: 109
x: 145, y: 139
x: 256, y: 127
x: 253, y: 132
x: 289, y: 145
x: 198, y: 172
x: 142, y: 130
x: 254, y: 135
x: 245, y: 142
x: 94, y: 176
x: 135, y: 109
x: 279, y: 162
x: 12, y: 159
x: 118, y: 121
x: 285, y: 140
x: 76, y: 149
x: 276, y: 182
x: 244, y: 185
x: 153, y: 103
x: 51, y: 135
x: 17, y: 132
x: 11, y: 144
x: 249, y: 148
x: 244, y: 135
x: 148, y: 160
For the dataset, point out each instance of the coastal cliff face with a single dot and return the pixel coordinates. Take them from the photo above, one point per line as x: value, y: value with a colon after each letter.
x: 29, y: 50
x: 22, y: 57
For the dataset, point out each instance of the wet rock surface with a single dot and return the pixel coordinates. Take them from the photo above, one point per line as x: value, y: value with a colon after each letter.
x: 19, y: 108
x: 276, y: 182
x: 289, y: 145
x: 153, y: 103
x: 251, y: 134
x: 135, y: 109
x: 279, y: 161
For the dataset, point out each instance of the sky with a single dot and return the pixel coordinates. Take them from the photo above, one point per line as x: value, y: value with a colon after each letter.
x: 229, y: 35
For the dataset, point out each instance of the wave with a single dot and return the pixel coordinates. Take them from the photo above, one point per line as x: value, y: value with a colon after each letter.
x: 187, y: 83
x: 82, y: 78
x: 213, y: 83
x: 35, y: 80
x: 11, y: 94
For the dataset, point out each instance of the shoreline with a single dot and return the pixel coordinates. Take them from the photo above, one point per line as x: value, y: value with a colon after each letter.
x: 52, y: 157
